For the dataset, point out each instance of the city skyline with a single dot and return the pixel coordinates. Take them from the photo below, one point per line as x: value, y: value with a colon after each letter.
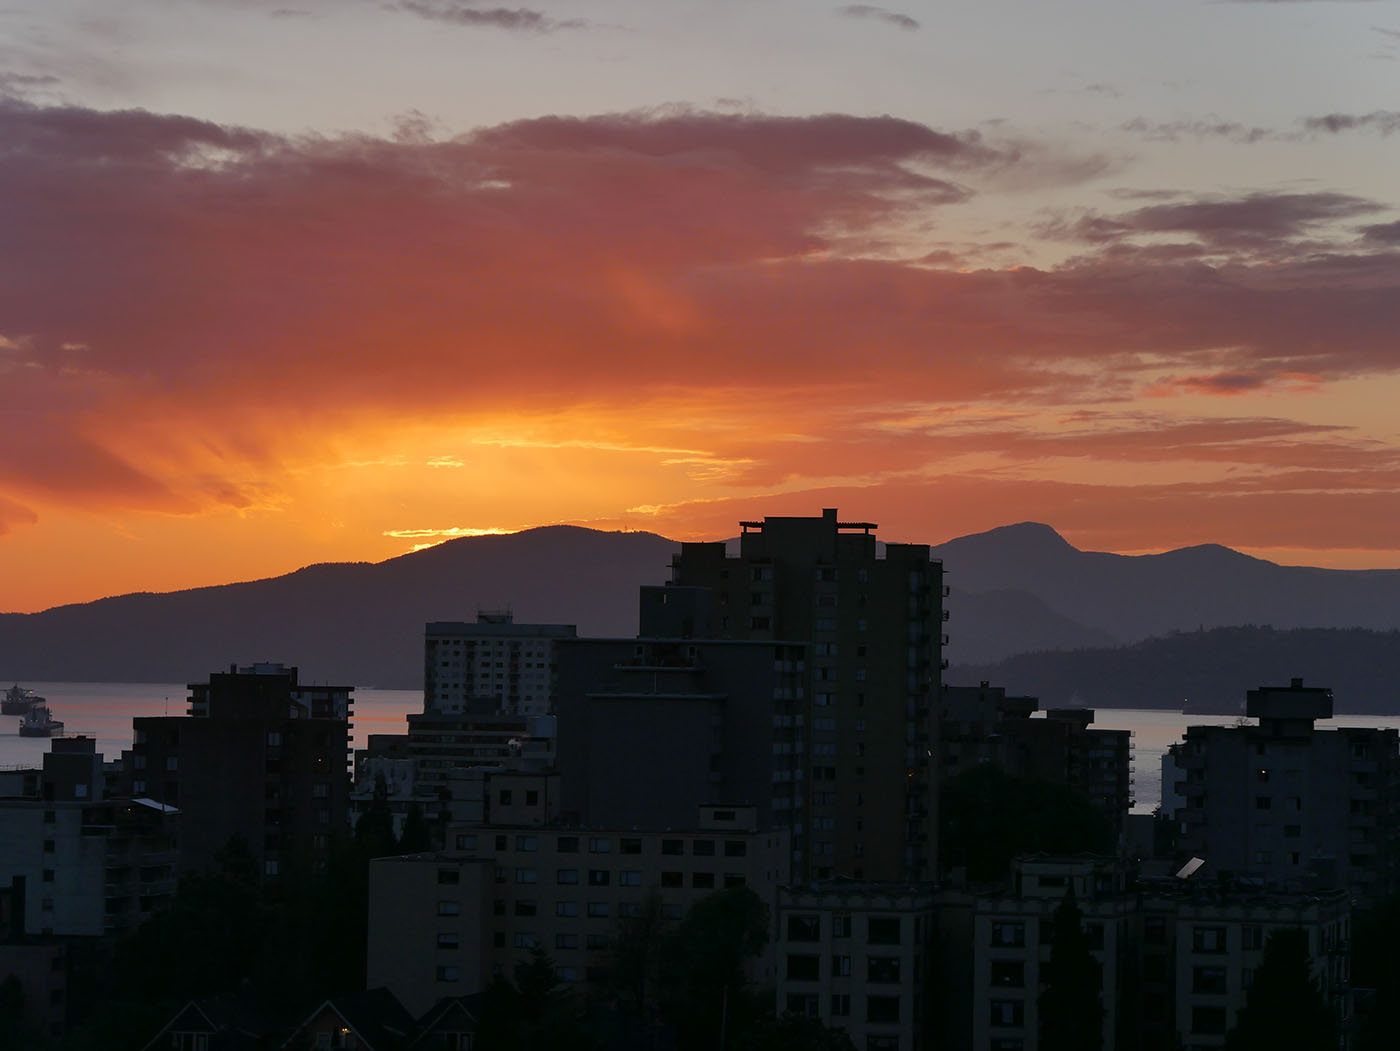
x: 290, y: 283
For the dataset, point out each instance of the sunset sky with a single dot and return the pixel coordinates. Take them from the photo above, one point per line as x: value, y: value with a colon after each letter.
x: 300, y: 281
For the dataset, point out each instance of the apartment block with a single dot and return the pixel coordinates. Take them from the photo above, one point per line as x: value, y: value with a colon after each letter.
x: 261, y: 756
x: 1012, y: 942
x: 1287, y: 804
x: 90, y: 865
x: 444, y: 923
x: 866, y: 806
x: 494, y: 659
x: 1202, y: 944
x: 857, y: 956
x: 655, y: 727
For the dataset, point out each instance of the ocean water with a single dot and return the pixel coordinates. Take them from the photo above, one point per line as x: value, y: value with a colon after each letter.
x: 105, y: 711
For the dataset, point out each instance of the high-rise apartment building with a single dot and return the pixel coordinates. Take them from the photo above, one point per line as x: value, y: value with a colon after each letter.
x: 492, y: 659
x: 260, y: 756
x: 862, y: 719
x: 1287, y: 804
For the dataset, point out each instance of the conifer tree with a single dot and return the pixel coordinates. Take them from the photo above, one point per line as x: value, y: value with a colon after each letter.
x: 1071, y: 1007
x: 1284, y: 1009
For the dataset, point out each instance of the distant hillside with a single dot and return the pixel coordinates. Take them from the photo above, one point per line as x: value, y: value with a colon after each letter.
x: 1138, y: 596
x: 353, y: 623
x: 1017, y: 589
x: 1210, y: 669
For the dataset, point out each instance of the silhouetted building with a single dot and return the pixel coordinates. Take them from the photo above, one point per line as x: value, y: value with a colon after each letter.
x: 445, y: 923
x: 1286, y: 804
x: 980, y: 724
x: 652, y: 728
x: 261, y: 756
x: 861, y: 720
x: 91, y: 864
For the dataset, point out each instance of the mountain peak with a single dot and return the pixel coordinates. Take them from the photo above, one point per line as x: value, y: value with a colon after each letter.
x: 1026, y: 537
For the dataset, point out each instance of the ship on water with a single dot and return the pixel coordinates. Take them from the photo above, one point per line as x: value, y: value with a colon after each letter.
x: 18, y: 701
x: 39, y: 722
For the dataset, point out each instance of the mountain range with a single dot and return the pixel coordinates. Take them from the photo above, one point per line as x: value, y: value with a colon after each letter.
x: 1019, y: 589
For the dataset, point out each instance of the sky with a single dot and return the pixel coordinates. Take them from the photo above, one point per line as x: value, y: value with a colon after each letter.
x: 292, y: 282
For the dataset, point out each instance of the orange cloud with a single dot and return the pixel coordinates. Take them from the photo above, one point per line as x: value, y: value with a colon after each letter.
x: 675, y: 307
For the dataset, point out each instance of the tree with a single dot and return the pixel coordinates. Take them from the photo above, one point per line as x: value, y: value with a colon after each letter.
x: 1284, y: 1009
x: 1071, y: 1008
x: 415, y: 837
x: 632, y: 973
x: 987, y: 817
x: 374, y: 831
x: 704, y: 985
x: 792, y: 1032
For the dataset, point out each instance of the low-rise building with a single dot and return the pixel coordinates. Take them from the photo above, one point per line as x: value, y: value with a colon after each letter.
x: 444, y: 923
x: 857, y: 956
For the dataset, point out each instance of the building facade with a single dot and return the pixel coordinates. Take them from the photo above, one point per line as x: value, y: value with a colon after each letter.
x: 1287, y: 804
x: 866, y: 806
x: 445, y: 923
x: 261, y: 756
x: 495, y: 659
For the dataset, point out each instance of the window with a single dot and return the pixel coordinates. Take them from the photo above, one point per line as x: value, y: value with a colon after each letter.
x: 734, y: 879
x: 735, y: 848
x: 1010, y: 974
x: 703, y: 848
x: 446, y: 940
x: 630, y: 846
x: 671, y: 879
x: 803, y: 927
x: 1263, y: 802
x: 841, y: 925
x: 526, y: 875
x: 566, y: 908
x: 673, y: 846
x: 882, y: 1009
x: 598, y: 909
x: 525, y: 908
x: 882, y: 930
x: 702, y: 880
x: 629, y: 878
x: 596, y: 941
x: 568, y: 845
x: 532, y: 795
x: 1208, y: 1020
x: 566, y: 941
x: 449, y: 908
x: 465, y: 842
x: 840, y: 966
x: 526, y: 844
x: 1208, y: 979
x: 567, y: 876
x: 504, y: 797
x: 525, y: 940
x: 599, y: 845
x: 882, y: 970
x: 447, y: 973
x: 1008, y: 934
x: 1008, y: 1012
x: 599, y: 877
x: 1207, y: 939
x: 803, y: 967
x: 840, y: 1005
x: 1251, y: 937
x: 807, y: 1004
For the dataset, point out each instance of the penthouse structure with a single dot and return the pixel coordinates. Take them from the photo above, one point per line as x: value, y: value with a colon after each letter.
x: 261, y: 756
x: 861, y: 717
x: 1287, y: 804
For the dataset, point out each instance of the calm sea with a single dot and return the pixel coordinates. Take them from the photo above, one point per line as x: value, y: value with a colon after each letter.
x: 105, y: 711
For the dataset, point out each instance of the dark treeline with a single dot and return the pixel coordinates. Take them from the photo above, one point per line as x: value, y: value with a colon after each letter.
x: 1212, y: 669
